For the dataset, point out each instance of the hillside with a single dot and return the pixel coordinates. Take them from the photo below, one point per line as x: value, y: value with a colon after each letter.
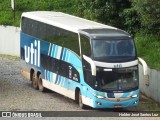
x: 140, y: 18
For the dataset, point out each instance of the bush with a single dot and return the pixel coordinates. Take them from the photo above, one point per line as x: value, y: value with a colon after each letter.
x: 149, y: 13
x: 148, y: 47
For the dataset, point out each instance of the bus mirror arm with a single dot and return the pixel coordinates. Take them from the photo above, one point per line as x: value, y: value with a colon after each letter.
x: 145, y: 70
x: 91, y: 62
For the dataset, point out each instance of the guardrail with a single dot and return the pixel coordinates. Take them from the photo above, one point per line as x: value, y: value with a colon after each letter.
x: 10, y: 45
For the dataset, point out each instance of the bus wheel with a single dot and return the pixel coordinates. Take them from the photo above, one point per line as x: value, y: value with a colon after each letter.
x: 40, y: 84
x: 34, y: 81
x: 81, y: 105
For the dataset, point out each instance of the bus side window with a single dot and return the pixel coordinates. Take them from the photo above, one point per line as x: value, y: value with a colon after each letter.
x: 51, y: 34
x: 85, y: 46
x: 29, y: 26
x: 67, y: 39
x: 26, y: 25
x: 70, y: 41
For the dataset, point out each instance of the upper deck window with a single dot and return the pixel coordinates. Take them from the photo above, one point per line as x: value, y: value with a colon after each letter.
x: 50, y: 33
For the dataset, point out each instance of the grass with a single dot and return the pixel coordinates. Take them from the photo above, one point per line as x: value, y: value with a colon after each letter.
x: 148, y: 48
x: 148, y: 104
x: 9, y: 57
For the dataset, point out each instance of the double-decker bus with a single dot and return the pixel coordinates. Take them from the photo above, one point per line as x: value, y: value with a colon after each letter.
x: 92, y: 63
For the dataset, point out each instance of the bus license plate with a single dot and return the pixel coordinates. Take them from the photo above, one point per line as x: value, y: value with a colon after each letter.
x: 117, y: 106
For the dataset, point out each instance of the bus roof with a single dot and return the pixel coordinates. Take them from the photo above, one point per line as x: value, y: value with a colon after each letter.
x: 103, y: 33
x: 65, y: 21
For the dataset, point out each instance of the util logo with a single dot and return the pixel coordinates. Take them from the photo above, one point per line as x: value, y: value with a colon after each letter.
x: 32, y: 53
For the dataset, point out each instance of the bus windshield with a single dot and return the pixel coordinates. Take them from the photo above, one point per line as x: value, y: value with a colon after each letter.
x: 120, y: 79
x: 113, y: 50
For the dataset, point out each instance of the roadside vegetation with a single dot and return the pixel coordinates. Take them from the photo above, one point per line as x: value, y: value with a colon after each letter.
x: 15, y: 58
x: 141, y: 18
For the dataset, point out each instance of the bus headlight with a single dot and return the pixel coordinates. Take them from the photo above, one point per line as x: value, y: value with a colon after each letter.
x: 134, y: 96
x: 98, y: 96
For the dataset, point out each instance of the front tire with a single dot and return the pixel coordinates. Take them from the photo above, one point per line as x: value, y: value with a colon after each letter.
x: 81, y: 105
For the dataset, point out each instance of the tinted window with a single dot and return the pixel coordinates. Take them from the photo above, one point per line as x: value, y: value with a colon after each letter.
x: 85, y: 46
x: 123, y: 79
x: 68, y: 40
x: 51, y: 34
x: 59, y: 67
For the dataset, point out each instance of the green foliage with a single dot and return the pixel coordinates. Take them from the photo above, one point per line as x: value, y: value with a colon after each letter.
x: 104, y: 11
x: 6, y: 13
x: 149, y: 13
x: 148, y: 47
x: 124, y: 14
x: 131, y: 20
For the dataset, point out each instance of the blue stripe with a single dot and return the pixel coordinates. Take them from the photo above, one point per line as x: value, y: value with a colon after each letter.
x: 64, y: 55
x: 48, y: 75
x: 62, y: 81
x: 56, y: 79
x: 51, y: 77
x: 56, y: 50
x: 61, y: 54
x: 45, y: 74
x: 52, y: 51
x: 59, y: 80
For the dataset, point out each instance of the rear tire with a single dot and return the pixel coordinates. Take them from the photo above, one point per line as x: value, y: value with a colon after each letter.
x: 40, y: 84
x: 34, y: 81
x: 31, y: 74
x: 81, y: 105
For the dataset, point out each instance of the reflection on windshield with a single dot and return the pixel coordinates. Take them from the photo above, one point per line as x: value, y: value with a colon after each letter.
x: 103, y: 49
x: 117, y: 80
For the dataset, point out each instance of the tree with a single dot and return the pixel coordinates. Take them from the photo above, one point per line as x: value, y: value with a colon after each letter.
x: 149, y: 13
x: 104, y: 11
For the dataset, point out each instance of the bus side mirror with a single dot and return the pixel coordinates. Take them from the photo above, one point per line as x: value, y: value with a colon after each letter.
x: 145, y: 70
x: 91, y: 62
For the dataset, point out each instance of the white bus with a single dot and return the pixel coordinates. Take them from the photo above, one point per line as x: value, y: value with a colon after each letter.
x: 94, y: 64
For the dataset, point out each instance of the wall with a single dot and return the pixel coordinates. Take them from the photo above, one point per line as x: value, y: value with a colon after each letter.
x: 153, y: 90
x: 10, y: 42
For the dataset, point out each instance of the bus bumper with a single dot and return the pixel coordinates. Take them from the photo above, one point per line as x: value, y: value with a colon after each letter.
x: 103, y: 103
